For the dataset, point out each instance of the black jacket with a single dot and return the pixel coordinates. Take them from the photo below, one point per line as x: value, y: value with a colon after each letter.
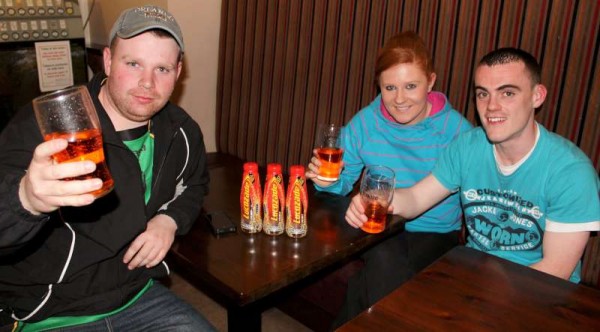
x: 35, y: 250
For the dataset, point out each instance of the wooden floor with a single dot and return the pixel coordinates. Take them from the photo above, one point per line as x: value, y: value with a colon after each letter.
x: 272, y: 320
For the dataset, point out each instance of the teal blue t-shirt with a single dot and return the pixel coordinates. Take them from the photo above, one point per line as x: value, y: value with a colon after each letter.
x: 555, y: 189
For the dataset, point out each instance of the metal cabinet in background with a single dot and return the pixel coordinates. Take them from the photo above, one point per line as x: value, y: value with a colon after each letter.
x: 22, y: 24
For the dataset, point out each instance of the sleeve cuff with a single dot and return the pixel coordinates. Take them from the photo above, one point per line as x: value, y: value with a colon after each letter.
x: 15, y: 205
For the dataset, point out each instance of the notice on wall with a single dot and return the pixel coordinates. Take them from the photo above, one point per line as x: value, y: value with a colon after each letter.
x: 55, y: 70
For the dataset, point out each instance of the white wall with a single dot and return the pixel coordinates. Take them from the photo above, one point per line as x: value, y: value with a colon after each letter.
x: 200, y: 23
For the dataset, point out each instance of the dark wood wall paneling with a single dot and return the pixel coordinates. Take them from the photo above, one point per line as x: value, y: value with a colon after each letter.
x: 287, y: 65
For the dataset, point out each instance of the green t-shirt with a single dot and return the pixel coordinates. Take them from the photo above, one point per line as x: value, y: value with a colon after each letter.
x: 141, y: 142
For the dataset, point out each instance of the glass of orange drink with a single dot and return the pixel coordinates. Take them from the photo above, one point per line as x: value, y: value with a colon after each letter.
x: 376, y: 191
x: 329, y: 151
x: 70, y: 114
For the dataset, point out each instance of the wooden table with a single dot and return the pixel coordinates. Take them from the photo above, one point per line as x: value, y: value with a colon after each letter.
x: 247, y: 273
x: 468, y: 290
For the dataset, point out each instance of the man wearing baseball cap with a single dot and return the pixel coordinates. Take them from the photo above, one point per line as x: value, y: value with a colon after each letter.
x: 72, y: 261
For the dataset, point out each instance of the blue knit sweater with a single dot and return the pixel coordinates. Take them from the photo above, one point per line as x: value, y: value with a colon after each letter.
x: 372, y: 137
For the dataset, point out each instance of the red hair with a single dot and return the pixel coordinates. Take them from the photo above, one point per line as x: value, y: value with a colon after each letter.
x: 405, y: 47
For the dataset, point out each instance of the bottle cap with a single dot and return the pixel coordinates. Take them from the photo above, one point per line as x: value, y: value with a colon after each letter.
x: 250, y: 167
x: 273, y: 168
x: 297, y: 170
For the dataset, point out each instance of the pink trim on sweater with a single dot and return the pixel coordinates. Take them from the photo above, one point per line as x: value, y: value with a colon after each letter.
x: 436, y: 99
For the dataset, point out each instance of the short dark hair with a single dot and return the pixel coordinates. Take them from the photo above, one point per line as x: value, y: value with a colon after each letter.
x: 510, y: 54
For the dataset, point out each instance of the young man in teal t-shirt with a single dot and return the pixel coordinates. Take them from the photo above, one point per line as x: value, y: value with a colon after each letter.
x: 528, y: 195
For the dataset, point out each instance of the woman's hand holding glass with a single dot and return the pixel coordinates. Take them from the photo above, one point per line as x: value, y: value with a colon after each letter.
x: 312, y: 171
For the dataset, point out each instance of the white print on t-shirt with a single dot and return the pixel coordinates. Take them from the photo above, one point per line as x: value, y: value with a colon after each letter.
x: 501, y: 220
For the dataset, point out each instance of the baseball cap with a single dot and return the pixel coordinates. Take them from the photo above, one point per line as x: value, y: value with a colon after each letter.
x: 136, y: 20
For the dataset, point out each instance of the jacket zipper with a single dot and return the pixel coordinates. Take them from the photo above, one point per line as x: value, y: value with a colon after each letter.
x: 162, y: 163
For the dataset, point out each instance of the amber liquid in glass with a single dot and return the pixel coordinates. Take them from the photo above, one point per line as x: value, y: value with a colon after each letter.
x: 85, y: 145
x: 377, y: 214
x: 331, y: 160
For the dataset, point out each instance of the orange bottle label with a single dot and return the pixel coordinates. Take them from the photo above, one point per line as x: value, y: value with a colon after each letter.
x: 249, y: 195
x: 274, y: 198
x: 297, y: 201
